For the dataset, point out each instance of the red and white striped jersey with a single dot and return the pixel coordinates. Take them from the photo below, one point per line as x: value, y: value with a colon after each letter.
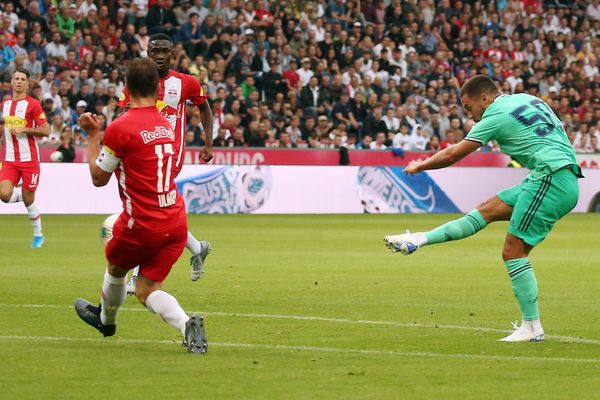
x: 174, y: 91
x: 27, y: 113
x: 139, y: 148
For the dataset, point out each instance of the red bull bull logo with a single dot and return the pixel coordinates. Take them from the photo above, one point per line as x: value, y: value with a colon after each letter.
x: 170, y: 113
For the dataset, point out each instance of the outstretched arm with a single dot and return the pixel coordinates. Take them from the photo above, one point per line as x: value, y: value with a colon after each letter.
x: 444, y: 158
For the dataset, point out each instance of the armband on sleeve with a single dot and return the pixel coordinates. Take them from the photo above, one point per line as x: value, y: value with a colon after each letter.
x: 107, y: 160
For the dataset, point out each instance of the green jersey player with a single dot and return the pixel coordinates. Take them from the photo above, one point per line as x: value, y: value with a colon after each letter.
x: 526, y: 129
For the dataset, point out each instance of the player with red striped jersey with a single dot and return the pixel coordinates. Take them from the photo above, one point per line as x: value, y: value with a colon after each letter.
x: 175, y: 90
x: 23, y: 120
x: 151, y: 231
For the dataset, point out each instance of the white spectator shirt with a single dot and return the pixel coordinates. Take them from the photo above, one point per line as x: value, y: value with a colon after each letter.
x: 305, y: 75
x: 417, y: 142
x: 85, y: 8
x: 593, y: 12
x: 401, y: 141
x: 393, y: 124
x: 405, y: 50
x: 375, y: 146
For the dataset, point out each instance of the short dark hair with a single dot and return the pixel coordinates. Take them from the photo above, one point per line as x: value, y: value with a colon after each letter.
x: 160, y: 36
x: 477, y: 86
x: 23, y: 71
x: 142, y: 77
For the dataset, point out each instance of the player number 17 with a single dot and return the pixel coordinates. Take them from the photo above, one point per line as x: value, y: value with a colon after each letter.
x: 164, y: 153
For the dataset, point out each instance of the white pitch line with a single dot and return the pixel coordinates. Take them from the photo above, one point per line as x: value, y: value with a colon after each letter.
x: 571, y: 339
x: 310, y: 349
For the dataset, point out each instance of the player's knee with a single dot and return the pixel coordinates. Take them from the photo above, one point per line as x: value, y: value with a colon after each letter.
x: 512, y: 251
x: 5, y: 196
x: 142, y: 295
x: 507, y: 254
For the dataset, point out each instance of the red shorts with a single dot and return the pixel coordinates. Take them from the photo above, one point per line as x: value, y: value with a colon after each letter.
x: 155, y: 253
x: 29, y: 171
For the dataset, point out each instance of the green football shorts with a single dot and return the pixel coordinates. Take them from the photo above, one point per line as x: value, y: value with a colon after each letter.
x: 539, y: 203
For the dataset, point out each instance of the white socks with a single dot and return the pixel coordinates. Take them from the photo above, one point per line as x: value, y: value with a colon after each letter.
x: 193, y: 245
x: 533, y: 325
x: 16, y: 196
x: 419, y: 238
x: 113, y: 296
x: 165, y: 305
x: 35, y: 217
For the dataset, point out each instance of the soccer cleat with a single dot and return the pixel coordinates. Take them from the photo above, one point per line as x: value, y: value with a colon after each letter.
x: 90, y: 314
x: 195, y: 337
x: 130, y: 287
x: 524, y: 333
x: 197, y: 260
x: 404, y: 243
x: 37, y: 242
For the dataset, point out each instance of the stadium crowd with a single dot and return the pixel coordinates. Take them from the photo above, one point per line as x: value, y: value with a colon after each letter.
x: 317, y: 74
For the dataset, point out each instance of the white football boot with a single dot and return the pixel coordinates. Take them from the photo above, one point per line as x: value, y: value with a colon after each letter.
x: 529, y: 331
x: 406, y: 243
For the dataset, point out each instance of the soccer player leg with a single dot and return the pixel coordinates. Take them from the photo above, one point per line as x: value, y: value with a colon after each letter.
x: 104, y: 317
x: 149, y: 291
x: 541, y: 203
x: 113, y: 294
x: 9, y: 178
x: 457, y: 229
x: 199, y: 250
x: 31, y: 175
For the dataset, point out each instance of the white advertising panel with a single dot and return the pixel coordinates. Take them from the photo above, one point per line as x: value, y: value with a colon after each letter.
x: 67, y: 189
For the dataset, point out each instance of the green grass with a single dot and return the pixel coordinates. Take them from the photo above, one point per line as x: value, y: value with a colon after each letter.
x: 438, y: 313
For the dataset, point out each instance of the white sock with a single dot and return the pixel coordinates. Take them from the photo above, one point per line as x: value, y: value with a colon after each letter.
x: 420, y: 239
x: 135, y: 272
x: 165, y: 305
x: 36, y: 219
x: 534, y: 325
x: 16, y: 196
x: 113, y: 296
x: 193, y: 245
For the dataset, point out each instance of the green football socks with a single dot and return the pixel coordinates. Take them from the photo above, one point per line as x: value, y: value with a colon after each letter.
x: 457, y: 229
x: 525, y: 287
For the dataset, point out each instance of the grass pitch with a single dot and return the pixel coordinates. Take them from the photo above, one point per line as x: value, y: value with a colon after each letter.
x: 304, y: 307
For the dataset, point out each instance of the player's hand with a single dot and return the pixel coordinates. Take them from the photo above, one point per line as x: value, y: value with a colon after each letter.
x: 206, y: 154
x: 89, y: 122
x: 16, y: 131
x: 413, y: 167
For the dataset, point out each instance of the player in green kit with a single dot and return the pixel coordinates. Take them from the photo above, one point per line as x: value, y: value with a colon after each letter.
x: 526, y: 129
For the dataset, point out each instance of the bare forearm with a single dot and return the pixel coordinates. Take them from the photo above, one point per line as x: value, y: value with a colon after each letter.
x: 42, y: 130
x: 93, y: 152
x: 207, y: 123
x: 439, y: 160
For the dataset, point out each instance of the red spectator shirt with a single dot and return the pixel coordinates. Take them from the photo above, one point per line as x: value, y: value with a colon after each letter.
x: 174, y: 90
x: 139, y: 147
x: 26, y: 113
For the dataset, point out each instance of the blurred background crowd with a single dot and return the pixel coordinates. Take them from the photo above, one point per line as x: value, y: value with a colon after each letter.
x: 313, y: 74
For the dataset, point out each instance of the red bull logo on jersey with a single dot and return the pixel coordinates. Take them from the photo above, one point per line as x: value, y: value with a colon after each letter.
x: 170, y: 113
x: 160, y: 132
x: 11, y: 121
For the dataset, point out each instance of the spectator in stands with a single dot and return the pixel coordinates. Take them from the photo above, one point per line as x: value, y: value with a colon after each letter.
x: 66, y: 147
x: 379, y: 143
x: 433, y: 145
x: 161, y: 18
x: 191, y: 36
